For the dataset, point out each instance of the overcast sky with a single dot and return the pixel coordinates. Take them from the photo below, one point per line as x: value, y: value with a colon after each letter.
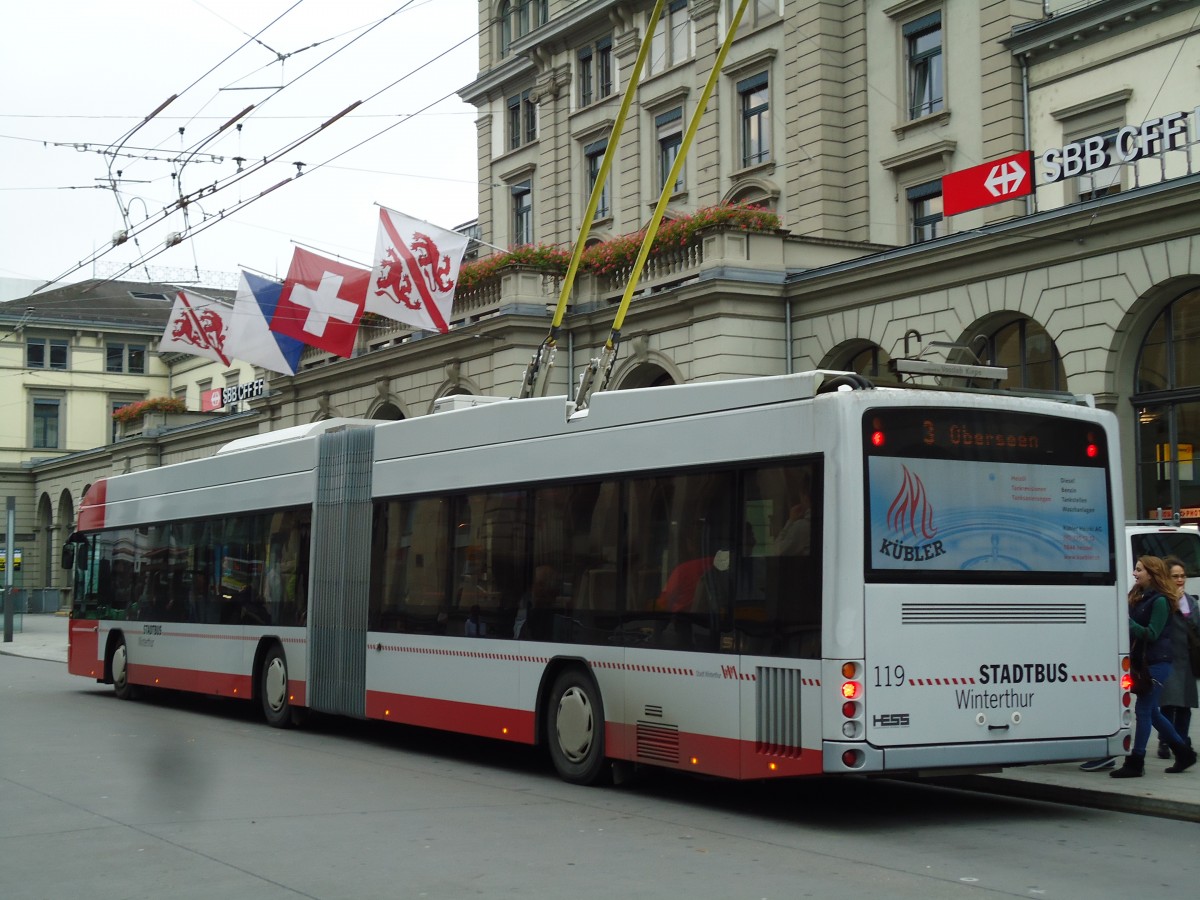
x: 78, y: 76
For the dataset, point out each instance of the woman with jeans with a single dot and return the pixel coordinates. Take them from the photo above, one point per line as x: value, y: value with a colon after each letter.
x: 1179, y: 696
x: 1152, y: 601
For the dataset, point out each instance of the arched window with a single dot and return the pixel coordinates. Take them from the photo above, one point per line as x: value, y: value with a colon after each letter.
x: 518, y: 18
x: 756, y: 192
x: 1029, y: 354
x: 1166, y: 403
x: 872, y: 362
x: 505, y: 15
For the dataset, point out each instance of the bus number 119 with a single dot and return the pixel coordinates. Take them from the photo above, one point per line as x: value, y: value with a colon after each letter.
x: 889, y: 676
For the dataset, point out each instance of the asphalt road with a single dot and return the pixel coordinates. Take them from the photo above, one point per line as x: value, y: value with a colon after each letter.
x: 177, y: 797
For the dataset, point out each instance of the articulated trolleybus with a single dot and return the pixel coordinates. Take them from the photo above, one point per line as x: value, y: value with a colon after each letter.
x: 760, y: 578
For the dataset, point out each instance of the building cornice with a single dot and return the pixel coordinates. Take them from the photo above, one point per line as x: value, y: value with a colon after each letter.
x: 526, y: 52
x: 1088, y: 23
x: 1083, y: 230
x: 494, y: 79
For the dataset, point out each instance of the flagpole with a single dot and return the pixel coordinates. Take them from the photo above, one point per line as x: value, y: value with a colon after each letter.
x: 275, y: 278
x: 361, y: 265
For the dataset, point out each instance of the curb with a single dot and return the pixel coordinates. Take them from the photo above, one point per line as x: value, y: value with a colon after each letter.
x: 1073, y: 796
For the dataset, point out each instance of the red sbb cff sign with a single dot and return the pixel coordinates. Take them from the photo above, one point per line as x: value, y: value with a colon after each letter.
x: 990, y: 182
x: 212, y: 400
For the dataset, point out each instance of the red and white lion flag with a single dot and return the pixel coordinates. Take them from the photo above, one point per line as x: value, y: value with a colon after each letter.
x: 415, y: 271
x: 198, y: 325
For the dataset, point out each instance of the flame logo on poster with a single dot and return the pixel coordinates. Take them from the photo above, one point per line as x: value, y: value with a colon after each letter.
x: 911, y: 515
x: 911, y: 511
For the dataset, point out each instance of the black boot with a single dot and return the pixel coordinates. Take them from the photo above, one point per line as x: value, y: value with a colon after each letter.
x: 1164, y: 752
x: 1185, y: 758
x: 1133, y: 767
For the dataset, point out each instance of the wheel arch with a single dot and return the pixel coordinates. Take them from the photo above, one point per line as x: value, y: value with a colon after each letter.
x: 115, y: 636
x: 554, y: 668
x: 264, y: 646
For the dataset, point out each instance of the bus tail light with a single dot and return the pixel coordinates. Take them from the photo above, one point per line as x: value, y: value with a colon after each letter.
x: 852, y: 759
x: 852, y: 706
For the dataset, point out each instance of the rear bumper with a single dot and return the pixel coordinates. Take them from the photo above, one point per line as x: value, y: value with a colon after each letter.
x: 969, y: 756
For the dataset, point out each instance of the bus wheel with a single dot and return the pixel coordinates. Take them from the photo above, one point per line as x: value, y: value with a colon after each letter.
x: 273, y: 689
x: 575, y: 728
x: 120, y: 671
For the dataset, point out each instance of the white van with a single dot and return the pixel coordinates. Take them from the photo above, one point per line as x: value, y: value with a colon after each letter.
x: 1154, y: 538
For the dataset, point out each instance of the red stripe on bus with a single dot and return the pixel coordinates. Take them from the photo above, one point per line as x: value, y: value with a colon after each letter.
x: 452, y: 715
x: 725, y: 757
x: 220, y: 684
x: 701, y: 753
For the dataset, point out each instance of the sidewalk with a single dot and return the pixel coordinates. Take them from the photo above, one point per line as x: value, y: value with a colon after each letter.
x: 1155, y: 794
x: 37, y: 636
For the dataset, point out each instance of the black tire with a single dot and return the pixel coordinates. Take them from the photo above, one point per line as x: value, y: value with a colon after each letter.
x: 119, y: 666
x: 575, y: 728
x: 273, y: 689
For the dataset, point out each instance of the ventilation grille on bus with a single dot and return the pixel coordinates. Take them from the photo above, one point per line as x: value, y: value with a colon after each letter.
x: 777, y: 725
x: 993, y: 614
x: 658, y: 742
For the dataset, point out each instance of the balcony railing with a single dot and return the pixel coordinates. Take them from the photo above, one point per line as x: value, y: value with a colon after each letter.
x: 522, y: 288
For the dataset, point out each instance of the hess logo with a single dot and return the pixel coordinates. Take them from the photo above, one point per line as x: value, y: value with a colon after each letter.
x: 890, y: 720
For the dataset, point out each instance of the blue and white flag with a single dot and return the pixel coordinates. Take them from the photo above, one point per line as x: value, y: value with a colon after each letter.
x: 250, y: 336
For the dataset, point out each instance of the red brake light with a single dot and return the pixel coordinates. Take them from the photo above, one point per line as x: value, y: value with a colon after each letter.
x: 1092, y: 451
x: 1126, y: 682
x: 851, y: 690
x: 877, y: 438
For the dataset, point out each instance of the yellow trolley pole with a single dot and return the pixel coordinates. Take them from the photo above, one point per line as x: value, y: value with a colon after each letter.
x: 537, y: 374
x: 604, y: 363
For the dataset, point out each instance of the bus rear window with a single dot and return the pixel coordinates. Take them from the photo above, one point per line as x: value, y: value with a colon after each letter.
x: 984, y: 495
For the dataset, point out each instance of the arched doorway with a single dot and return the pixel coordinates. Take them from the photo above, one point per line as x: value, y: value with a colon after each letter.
x: 1166, y: 405
x: 388, y: 412
x: 45, y: 541
x: 66, y: 526
x: 865, y: 358
x: 646, y: 375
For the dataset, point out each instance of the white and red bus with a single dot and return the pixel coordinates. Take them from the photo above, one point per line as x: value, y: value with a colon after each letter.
x: 758, y: 578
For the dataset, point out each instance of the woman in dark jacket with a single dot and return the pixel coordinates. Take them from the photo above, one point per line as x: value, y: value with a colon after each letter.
x: 1179, y: 696
x: 1152, y: 601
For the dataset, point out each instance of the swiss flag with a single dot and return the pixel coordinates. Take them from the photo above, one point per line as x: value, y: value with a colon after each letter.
x: 322, y: 302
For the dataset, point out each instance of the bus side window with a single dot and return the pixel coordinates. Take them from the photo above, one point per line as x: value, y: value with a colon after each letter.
x: 777, y: 611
